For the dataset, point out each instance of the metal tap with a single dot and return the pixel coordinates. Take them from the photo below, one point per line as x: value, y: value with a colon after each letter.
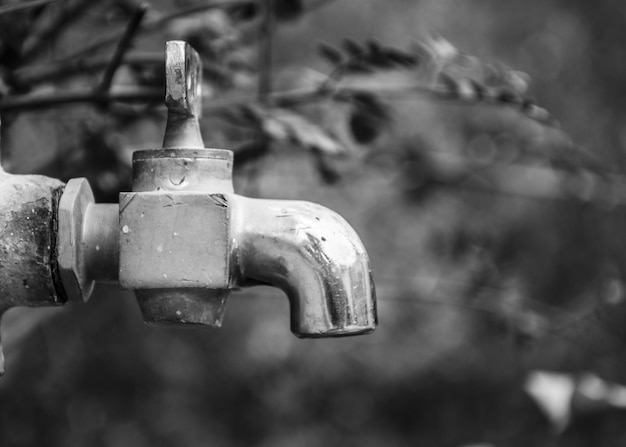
x: 184, y: 239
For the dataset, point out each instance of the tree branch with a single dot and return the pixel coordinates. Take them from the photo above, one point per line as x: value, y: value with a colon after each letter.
x: 534, y: 182
x: 36, y: 102
x: 32, y: 75
x: 285, y: 98
x: 122, y: 48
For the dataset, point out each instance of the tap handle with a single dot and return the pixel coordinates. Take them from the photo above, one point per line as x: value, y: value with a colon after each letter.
x: 183, y: 96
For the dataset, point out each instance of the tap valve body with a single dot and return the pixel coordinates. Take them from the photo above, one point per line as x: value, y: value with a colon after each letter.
x: 186, y: 239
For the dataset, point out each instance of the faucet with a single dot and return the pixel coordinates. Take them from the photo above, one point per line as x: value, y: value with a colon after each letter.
x: 185, y: 240
x: 182, y: 239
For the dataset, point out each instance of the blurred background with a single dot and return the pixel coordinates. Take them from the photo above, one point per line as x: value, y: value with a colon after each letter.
x: 494, y: 230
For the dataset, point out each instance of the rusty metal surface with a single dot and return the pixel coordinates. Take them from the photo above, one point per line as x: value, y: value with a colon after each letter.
x: 28, y: 262
x: 28, y: 211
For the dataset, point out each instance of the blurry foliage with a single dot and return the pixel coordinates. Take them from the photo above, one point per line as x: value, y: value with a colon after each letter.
x: 496, y: 240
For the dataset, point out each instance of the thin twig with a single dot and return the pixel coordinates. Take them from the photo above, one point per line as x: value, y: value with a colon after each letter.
x: 265, y: 52
x: 289, y: 98
x: 7, y: 9
x: 32, y: 75
x: 122, y: 47
x: 36, y: 102
x: 286, y: 98
x: 152, y: 25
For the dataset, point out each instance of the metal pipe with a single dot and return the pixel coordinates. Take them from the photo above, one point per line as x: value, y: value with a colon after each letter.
x: 100, y: 242
x: 28, y: 261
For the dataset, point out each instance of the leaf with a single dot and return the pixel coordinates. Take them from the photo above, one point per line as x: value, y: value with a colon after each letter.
x: 449, y: 83
x: 353, y: 48
x: 538, y: 114
x: 358, y: 66
x: 453, y: 67
x: 314, y: 137
x: 379, y: 59
x: 509, y: 97
x: 401, y: 58
x: 481, y: 91
x: 284, y: 125
x: 519, y: 81
x: 367, y: 58
x: 501, y: 75
x: 275, y: 129
x: 328, y: 173
x: 439, y: 49
x: 466, y: 90
x: 374, y: 46
x: 330, y: 53
x: 369, y: 118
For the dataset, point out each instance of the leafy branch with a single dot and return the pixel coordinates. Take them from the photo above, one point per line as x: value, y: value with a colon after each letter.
x: 353, y: 58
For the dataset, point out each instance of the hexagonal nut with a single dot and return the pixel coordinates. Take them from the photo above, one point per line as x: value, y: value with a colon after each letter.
x: 73, y: 204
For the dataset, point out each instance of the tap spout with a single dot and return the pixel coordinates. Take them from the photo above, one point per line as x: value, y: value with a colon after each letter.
x: 313, y: 255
